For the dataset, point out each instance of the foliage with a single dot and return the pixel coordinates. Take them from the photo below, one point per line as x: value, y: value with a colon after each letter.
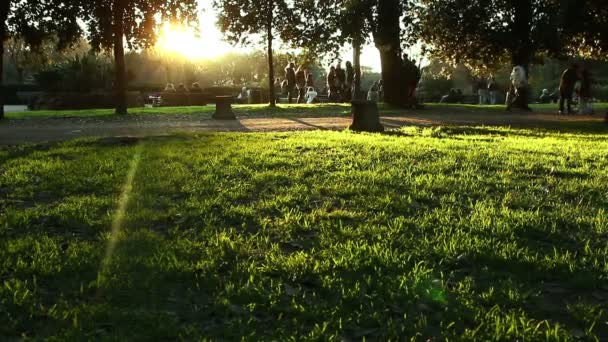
x: 244, y: 22
x: 33, y: 21
x: 492, y: 32
x: 140, y: 20
x: 447, y: 233
x: 78, y: 74
x: 586, y: 27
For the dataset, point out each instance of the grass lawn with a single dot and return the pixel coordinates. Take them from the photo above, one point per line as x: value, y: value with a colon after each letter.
x: 322, y: 110
x: 294, y: 110
x: 437, y: 233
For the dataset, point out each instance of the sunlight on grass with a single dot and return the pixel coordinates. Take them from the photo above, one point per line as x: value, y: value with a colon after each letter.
x: 120, y: 212
x: 436, y: 233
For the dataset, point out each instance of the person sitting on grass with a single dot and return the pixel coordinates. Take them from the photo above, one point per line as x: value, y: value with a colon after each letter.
x: 243, y: 95
x: 545, y: 97
x: 196, y: 88
x: 169, y: 88
x: 373, y: 95
x: 311, y: 96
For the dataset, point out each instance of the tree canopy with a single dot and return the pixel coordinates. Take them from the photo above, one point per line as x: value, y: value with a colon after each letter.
x: 490, y: 32
x: 242, y: 21
x: 32, y: 21
x: 327, y: 25
x: 112, y: 23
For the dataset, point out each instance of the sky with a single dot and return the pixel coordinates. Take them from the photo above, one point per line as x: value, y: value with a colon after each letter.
x: 211, y: 41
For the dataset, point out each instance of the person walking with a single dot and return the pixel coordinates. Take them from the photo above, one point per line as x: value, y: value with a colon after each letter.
x: 331, y: 85
x: 301, y: 84
x: 340, y: 80
x: 492, y: 90
x: 350, y: 81
x: 566, y: 87
x: 290, y: 77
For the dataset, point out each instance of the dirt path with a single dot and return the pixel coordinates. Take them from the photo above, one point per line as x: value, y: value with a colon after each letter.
x: 56, y: 129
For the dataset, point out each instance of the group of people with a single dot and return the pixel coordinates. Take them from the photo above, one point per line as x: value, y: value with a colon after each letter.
x: 340, y: 82
x: 181, y: 88
x: 487, y: 90
x: 575, y: 83
x: 299, y: 84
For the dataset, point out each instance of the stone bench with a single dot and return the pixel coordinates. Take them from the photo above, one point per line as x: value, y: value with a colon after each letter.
x: 223, y: 108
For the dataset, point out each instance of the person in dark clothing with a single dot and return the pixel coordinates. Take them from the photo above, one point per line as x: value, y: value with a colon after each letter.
x: 340, y: 80
x: 181, y: 88
x: 196, y: 88
x: 310, y: 80
x: 493, y: 90
x: 301, y: 84
x: 290, y: 77
x: 350, y: 81
x: 566, y: 87
x: 332, y: 84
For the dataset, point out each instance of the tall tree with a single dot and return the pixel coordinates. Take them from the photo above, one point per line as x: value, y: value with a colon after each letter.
x: 242, y: 21
x: 491, y: 32
x: 34, y: 21
x: 112, y: 24
x: 585, y: 22
x: 328, y: 25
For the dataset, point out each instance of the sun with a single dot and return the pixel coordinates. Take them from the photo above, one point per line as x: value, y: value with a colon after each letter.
x: 184, y: 41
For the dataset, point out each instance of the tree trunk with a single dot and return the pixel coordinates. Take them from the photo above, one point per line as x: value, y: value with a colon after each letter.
x: 521, y: 51
x: 3, y: 16
x: 357, y: 66
x: 272, y: 95
x: 1, y: 70
x: 20, y: 73
x: 120, y: 82
x: 387, y: 40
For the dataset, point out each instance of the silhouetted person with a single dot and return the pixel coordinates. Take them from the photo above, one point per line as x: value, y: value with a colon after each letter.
x: 492, y: 90
x: 450, y: 97
x: 350, y: 81
x: 290, y: 77
x: 341, y: 79
x: 566, y: 87
x: 332, y: 84
x: 301, y: 84
x: 196, y: 88
x: 278, y: 88
x: 181, y: 88
x: 169, y: 88
x: 373, y: 95
x: 545, y: 96
x: 310, y: 80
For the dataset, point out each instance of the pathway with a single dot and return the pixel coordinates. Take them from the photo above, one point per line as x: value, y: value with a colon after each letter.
x: 56, y: 129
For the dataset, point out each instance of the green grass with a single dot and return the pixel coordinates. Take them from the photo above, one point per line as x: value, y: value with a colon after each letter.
x: 438, y: 233
x: 204, y: 111
x: 294, y: 110
x: 544, y: 107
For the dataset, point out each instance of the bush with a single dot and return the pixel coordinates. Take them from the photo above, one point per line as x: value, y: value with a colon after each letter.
x: 73, y: 100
